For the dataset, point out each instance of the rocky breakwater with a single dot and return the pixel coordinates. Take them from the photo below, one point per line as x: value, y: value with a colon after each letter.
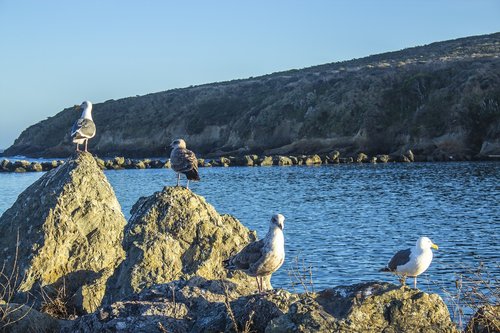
x: 175, y: 234
x: 61, y: 239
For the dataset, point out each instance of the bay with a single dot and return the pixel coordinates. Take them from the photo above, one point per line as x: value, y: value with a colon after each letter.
x: 344, y: 222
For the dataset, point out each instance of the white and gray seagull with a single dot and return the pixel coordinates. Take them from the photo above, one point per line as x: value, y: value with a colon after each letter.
x: 184, y: 161
x: 84, y: 128
x: 264, y: 257
x: 412, y: 262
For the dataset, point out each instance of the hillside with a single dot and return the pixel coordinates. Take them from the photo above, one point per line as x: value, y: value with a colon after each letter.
x: 438, y: 99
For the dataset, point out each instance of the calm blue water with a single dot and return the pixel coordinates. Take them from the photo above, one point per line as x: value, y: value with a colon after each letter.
x: 346, y: 221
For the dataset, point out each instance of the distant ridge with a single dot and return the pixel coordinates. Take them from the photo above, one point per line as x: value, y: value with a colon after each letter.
x: 439, y: 99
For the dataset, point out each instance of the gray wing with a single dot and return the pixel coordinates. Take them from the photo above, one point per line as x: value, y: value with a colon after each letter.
x: 183, y: 160
x: 248, y: 256
x: 400, y: 258
x: 83, y: 129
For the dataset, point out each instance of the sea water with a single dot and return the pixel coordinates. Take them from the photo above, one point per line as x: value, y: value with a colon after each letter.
x: 344, y: 222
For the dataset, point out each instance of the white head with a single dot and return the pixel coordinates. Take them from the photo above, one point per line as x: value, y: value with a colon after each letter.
x: 179, y: 143
x: 425, y: 243
x: 87, y: 110
x: 278, y: 220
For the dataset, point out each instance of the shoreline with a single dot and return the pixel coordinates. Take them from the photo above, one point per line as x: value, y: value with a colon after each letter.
x: 123, y: 163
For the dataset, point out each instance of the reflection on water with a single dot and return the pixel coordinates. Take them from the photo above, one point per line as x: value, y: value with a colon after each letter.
x: 346, y: 221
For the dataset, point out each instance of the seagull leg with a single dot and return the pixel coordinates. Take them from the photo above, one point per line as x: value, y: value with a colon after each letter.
x: 77, y: 147
x: 258, y: 286
x: 261, y: 284
x: 187, y: 184
x: 415, y: 282
x: 86, y: 144
x: 402, y: 280
x: 178, y: 179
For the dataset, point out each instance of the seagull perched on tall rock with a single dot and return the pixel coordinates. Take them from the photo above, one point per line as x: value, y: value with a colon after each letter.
x: 84, y: 128
x: 184, y: 161
x: 264, y: 257
x: 412, y: 262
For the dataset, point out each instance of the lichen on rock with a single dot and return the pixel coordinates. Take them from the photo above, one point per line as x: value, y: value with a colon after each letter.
x: 70, y: 228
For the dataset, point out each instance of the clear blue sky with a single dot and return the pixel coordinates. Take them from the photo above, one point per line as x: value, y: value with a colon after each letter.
x: 54, y: 54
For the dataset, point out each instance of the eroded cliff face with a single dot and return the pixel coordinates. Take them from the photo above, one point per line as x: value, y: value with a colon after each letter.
x: 443, y: 98
x: 62, y: 237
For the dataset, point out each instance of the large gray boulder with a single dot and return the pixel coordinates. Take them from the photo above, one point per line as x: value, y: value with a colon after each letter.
x: 175, y: 234
x: 64, y: 234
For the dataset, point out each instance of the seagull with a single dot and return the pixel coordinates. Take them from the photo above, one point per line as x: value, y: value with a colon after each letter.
x: 264, y: 257
x: 412, y: 262
x: 183, y: 161
x: 84, y: 128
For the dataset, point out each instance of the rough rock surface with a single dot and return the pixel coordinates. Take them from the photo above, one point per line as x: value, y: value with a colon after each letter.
x: 175, y: 234
x: 19, y: 318
x: 485, y: 320
x: 199, y: 305
x: 70, y: 228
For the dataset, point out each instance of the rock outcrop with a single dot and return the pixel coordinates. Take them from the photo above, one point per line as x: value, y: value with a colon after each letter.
x: 63, y: 235
x: 441, y: 99
x: 198, y: 305
x: 175, y: 234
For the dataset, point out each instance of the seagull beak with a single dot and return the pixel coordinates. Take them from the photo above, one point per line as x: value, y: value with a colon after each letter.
x: 434, y: 246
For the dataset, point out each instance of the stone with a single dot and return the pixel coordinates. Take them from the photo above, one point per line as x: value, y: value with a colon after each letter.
x: 404, y: 159
x: 361, y: 157
x: 5, y: 166
x: 139, y: 165
x: 224, y: 161
x: 21, y: 318
x: 109, y: 164
x: 175, y: 234
x: 334, y: 155
x: 245, y: 160
x: 156, y: 164
x: 266, y: 161
x: 485, y: 320
x: 19, y: 170
x: 373, y: 160
x: 383, y: 158
x: 200, y: 305
x: 410, y: 155
x: 70, y: 229
x: 366, y: 307
x: 22, y: 164
x: 119, y: 161
x: 35, y: 167
x: 312, y: 160
x: 294, y: 159
x: 282, y: 161
x: 100, y: 163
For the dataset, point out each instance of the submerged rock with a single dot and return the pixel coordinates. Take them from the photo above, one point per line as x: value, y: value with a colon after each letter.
x: 198, y: 305
x: 175, y: 234
x: 67, y: 228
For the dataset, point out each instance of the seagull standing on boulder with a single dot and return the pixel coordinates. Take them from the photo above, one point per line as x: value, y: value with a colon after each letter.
x: 412, y: 262
x: 184, y: 161
x: 264, y: 257
x: 84, y: 128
